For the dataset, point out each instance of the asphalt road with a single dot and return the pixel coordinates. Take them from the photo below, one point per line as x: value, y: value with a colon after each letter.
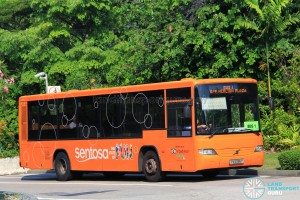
x: 131, y: 187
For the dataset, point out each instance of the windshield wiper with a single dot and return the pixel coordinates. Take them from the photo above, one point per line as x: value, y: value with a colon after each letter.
x: 212, y: 134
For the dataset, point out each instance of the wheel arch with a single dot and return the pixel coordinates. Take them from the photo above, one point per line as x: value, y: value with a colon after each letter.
x: 57, y: 151
x: 143, y: 151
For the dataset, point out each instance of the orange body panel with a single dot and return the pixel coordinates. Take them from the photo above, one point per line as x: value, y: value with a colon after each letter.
x: 228, y: 147
x: 175, y: 154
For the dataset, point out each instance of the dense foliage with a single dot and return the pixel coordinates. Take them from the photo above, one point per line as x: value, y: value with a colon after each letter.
x: 290, y: 160
x: 8, y: 119
x: 86, y: 44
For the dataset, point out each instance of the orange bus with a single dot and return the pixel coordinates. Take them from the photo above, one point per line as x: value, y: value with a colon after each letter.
x: 190, y: 125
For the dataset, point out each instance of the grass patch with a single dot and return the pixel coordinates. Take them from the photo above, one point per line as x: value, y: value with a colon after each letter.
x: 270, y: 162
x: 15, y: 196
x: 10, y: 196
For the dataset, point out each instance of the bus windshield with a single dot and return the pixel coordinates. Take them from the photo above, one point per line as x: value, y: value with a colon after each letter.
x: 226, y: 108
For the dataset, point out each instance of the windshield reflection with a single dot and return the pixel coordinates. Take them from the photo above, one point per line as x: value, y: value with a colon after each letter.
x: 226, y: 108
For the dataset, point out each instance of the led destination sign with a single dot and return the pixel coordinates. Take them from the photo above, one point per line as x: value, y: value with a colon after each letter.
x: 226, y: 89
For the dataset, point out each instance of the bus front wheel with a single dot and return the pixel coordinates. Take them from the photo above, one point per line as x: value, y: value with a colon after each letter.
x: 62, y: 167
x: 151, y: 167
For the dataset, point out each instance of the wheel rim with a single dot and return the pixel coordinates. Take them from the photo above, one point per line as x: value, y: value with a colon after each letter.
x: 62, y: 166
x: 151, y: 166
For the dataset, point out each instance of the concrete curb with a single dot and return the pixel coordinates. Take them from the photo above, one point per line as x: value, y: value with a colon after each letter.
x: 267, y: 172
x: 11, y: 166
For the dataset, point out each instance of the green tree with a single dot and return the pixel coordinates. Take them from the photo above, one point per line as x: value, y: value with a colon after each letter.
x: 270, y: 21
x: 14, y: 14
x: 86, y: 44
x: 8, y: 115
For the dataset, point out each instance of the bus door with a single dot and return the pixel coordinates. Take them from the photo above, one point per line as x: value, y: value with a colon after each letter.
x: 179, y: 145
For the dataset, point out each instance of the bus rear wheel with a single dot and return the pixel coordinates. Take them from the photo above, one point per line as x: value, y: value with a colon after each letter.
x: 62, y: 167
x: 152, y: 167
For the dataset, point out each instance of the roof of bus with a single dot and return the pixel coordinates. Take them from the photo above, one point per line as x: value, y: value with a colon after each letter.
x: 186, y: 82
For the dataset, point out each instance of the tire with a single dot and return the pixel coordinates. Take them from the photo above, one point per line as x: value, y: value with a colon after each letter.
x: 152, y: 167
x: 209, y: 174
x: 62, y: 167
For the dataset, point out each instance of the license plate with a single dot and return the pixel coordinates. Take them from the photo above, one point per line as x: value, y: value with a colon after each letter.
x: 236, y: 161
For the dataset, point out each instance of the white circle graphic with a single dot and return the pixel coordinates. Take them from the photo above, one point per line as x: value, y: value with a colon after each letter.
x: 50, y: 105
x: 160, y: 102
x: 86, y: 131
x: 111, y: 124
x: 147, y: 114
x: 41, y: 104
x: 46, y: 127
x: 96, y: 104
x: 75, y: 110
x: 26, y: 156
x: 64, y: 120
x: 38, y: 154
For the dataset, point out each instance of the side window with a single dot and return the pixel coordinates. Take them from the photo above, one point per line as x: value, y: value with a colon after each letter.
x: 179, y: 112
x: 148, y: 109
x: 79, y: 118
x: 67, y: 115
x: 52, y: 119
x: 42, y: 120
x: 88, y: 118
x: 113, y: 115
x: 122, y: 115
x: 179, y: 119
x: 33, y: 121
x: 128, y: 114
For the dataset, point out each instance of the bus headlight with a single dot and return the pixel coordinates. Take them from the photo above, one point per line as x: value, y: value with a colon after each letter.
x: 207, y: 151
x: 259, y: 148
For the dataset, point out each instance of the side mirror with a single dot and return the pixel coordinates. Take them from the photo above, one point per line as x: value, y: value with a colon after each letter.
x: 271, y: 103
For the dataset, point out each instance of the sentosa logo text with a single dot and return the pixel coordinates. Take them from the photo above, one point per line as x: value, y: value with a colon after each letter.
x: 83, y: 155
